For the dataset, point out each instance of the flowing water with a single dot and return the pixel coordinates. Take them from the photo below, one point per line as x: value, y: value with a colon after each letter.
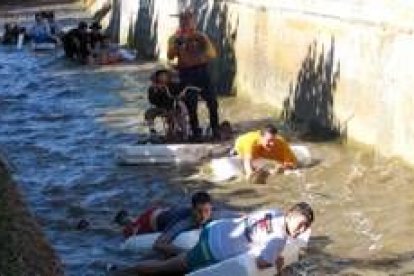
x: 60, y: 124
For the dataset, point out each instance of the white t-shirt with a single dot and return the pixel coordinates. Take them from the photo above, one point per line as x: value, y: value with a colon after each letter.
x: 265, y: 237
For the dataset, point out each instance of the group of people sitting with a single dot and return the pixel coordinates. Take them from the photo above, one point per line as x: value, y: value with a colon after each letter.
x: 224, y: 234
x: 89, y: 45
x: 11, y: 33
x: 44, y: 30
x: 85, y: 44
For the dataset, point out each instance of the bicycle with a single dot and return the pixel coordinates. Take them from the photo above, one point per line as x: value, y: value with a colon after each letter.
x: 175, y: 121
x: 177, y: 125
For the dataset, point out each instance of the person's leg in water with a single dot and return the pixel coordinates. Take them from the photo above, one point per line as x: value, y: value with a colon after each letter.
x: 176, y: 264
x: 144, y: 223
x: 199, y: 256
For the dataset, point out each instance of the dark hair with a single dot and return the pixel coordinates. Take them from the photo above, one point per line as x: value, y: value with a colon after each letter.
x: 156, y: 74
x: 44, y: 14
x: 271, y: 129
x: 186, y: 14
x: 304, y: 209
x: 95, y: 25
x: 82, y: 25
x: 200, y: 198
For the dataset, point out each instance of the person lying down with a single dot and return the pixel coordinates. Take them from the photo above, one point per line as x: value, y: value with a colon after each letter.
x: 264, y: 233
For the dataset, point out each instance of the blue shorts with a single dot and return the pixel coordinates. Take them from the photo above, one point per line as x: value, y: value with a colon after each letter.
x: 200, y: 256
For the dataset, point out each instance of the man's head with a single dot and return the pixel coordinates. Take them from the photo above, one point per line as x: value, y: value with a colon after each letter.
x: 298, y: 219
x: 268, y: 133
x: 50, y: 16
x: 82, y: 26
x: 38, y: 17
x: 202, y: 207
x: 187, y: 21
x: 95, y: 27
x: 161, y: 77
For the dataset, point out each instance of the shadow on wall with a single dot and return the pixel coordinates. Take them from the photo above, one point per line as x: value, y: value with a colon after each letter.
x: 143, y: 34
x: 309, y: 106
x: 115, y: 21
x: 102, y: 12
x: 215, y: 22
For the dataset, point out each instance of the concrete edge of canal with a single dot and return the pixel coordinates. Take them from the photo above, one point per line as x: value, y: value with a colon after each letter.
x: 24, y: 249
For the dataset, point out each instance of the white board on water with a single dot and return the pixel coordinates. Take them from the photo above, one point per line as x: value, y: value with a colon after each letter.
x: 227, y: 168
x: 143, y: 243
x: 243, y: 264
x: 43, y: 46
x: 163, y: 154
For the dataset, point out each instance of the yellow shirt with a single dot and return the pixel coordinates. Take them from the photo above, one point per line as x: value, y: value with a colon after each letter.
x: 248, y: 145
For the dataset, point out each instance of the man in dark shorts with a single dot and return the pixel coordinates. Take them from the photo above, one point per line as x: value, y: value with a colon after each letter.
x: 172, y: 221
x: 193, y: 51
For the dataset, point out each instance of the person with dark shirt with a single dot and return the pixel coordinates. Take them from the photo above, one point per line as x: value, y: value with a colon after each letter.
x: 160, y: 95
x: 171, y: 221
x: 75, y: 43
x: 10, y: 34
x: 96, y: 42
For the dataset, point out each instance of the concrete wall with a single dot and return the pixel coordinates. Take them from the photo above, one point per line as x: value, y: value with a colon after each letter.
x: 334, y: 64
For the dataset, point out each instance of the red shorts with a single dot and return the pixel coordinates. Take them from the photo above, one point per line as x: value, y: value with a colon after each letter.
x: 143, y: 224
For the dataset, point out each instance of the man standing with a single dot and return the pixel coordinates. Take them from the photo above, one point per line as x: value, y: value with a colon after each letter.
x: 193, y: 51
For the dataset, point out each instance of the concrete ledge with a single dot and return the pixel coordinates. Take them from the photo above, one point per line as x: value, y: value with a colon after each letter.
x: 23, y: 247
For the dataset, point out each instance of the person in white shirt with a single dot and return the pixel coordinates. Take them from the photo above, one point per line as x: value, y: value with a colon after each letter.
x: 264, y: 233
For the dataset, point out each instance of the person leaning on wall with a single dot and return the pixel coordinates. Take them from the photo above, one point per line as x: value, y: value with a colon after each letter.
x: 193, y: 50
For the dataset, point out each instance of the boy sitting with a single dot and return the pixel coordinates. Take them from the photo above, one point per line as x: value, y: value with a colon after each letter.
x: 161, y: 95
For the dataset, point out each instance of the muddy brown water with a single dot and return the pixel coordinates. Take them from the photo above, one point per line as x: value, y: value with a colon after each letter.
x: 60, y: 124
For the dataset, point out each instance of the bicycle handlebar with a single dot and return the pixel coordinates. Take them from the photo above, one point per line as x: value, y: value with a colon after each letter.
x: 187, y: 88
x: 183, y: 92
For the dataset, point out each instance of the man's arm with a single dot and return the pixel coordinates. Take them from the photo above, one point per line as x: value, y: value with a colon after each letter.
x: 248, y: 166
x: 166, y: 247
x: 211, y: 51
x: 270, y: 254
x: 172, y: 50
x: 290, y: 161
x: 164, y: 242
x: 262, y: 264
